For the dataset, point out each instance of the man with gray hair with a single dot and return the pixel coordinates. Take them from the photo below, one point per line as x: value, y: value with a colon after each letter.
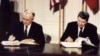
x: 27, y: 30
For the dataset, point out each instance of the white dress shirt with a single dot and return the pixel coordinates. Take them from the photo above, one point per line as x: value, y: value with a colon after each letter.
x: 28, y: 28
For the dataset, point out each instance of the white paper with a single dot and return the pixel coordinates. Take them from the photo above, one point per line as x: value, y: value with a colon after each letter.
x: 31, y: 43
x: 77, y: 42
x: 86, y: 40
x: 16, y: 42
x: 71, y: 44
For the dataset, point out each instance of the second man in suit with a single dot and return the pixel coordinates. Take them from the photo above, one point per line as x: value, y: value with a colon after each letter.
x: 81, y: 28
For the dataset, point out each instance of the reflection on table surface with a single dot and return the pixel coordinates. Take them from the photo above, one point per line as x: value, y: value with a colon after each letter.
x: 47, y: 50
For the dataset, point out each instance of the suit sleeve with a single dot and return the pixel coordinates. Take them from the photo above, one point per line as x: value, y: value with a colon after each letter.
x: 94, y: 36
x: 66, y: 33
x: 40, y: 36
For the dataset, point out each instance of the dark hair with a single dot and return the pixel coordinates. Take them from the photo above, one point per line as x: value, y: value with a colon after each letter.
x: 84, y: 15
x: 33, y: 14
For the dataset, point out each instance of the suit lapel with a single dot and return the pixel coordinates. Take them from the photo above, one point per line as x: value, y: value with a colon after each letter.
x: 85, y: 30
x: 30, y: 29
x: 76, y: 31
x: 22, y: 28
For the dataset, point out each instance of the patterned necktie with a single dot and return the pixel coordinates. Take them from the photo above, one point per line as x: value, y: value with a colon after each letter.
x: 25, y: 31
x: 80, y: 33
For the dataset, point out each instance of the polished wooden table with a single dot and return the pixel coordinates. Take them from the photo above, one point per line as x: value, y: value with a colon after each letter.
x: 47, y: 50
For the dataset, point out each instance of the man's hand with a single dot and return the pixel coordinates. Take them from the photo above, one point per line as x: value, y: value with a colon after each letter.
x: 11, y: 38
x: 69, y: 39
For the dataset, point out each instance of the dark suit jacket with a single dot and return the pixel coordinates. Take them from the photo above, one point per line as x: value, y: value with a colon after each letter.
x: 35, y: 32
x: 89, y: 31
x: 4, y: 18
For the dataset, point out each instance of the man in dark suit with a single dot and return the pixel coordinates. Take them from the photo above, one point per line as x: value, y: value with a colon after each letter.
x: 4, y: 18
x: 27, y: 30
x: 73, y: 29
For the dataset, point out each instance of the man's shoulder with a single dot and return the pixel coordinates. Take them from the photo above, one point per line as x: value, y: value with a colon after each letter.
x: 72, y: 23
x: 36, y: 24
x: 91, y: 25
x: 19, y: 24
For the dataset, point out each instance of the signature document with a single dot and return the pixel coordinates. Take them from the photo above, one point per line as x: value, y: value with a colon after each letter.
x: 77, y: 42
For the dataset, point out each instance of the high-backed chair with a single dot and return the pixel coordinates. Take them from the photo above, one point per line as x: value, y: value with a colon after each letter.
x: 47, y: 38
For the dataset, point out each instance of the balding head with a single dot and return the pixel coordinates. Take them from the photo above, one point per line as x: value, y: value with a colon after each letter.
x: 28, y: 13
x: 28, y: 17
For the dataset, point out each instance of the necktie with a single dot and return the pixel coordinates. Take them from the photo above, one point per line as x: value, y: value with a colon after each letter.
x: 25, y: 31
x: 80, y: 33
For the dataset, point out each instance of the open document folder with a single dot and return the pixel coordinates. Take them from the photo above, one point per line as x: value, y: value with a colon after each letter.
x: 77, y: 42
x: 16, y: 42
x: 71, y: 44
